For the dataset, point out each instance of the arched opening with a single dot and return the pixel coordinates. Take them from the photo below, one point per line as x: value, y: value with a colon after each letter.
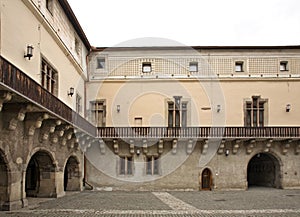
x: 3, y: 184
x: 40, y: 177
x: 72, y: 178
x: 264, y: 170
x: 206, y: 179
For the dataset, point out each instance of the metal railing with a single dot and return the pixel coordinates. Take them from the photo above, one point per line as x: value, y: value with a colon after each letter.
x: 198, y: 132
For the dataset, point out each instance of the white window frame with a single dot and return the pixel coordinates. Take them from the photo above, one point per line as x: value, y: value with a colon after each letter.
x: 152, y: 161
x: 126, y: 161
x: 239, y: 66
x: 193, y: 67
x: 101, y: 63
x: 146, y: 67
x: 283, y: 66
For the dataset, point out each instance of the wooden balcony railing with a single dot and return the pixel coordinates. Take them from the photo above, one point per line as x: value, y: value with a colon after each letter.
x: 199, y: 132
x: 17, y: 80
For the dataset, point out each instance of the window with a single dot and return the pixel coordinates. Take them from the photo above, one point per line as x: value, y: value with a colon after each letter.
x: 193, y: 67
x: 147, y: 67
x: 101, y: 63
x: 78, y: 103
x: 49, y: 77
x: 255, y: 112
x: 98, y: 112
x: 177, y: 113
x: 239, y: 66
x: 126, y: 166
x: 77, y: 46
x: 283, y: 66
x: 152, y: 165
x: 49, y: 6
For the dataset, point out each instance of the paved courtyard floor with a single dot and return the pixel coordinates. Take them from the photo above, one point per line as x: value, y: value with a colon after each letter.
x: 262, y: 202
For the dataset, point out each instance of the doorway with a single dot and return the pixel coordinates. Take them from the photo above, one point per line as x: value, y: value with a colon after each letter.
x: 206, y: 180
x: 264, y: 170
x: 3, y: 184
x: 72, y: 176
x: 40, y: 178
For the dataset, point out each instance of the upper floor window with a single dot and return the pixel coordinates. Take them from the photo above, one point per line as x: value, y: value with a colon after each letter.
x: 77, y: 45
x: 49, y: 5
x: 101, y: 63
x: 255, y: 112
x: 283, y: 66
x: 98, y: 111
x: 49, y: 77
x: 126, y: 166
x: 239, y: 66
x: 177, y: 113
x: 152, y: 165
x: 193, y: 67
x: 78, y: 103
x: 146, y: 67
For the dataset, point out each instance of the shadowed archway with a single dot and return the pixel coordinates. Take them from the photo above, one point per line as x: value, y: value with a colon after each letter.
x: 4, y: 198
x: 264, y: 170
x: 40, y: 176
x: 72, y: 177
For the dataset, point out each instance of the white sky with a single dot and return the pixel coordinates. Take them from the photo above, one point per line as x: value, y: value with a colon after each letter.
x: 190, y: 22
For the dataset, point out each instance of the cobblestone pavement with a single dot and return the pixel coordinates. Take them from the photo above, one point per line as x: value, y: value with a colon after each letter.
x: 260, y: 202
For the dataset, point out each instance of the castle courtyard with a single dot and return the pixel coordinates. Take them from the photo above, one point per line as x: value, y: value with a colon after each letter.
x: 254, y: 202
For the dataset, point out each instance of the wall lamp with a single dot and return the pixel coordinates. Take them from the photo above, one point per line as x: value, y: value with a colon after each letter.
x: 218, y: 108
x: 226, y: 152
x: 288, y: 108
x: 71, y: 91
x: 138, y: 152
x: 118, y: 108
x: 29, y: 52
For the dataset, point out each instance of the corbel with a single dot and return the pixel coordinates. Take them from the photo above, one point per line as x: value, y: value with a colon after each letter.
x: 5, y: 97
x: 37, y: 124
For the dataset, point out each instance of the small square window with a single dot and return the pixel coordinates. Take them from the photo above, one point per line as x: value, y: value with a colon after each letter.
x: 284, y: 66
x: 193, y: 67
x: 77, y: 46
x: 49, y: 6
x: 147, y: 67
x: 239, y: 66
x: 100, y: 63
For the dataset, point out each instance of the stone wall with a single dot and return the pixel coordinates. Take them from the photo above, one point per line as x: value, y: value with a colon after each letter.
x: 229, y: 171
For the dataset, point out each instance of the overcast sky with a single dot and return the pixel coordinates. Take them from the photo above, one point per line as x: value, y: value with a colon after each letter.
x: 190, y: 22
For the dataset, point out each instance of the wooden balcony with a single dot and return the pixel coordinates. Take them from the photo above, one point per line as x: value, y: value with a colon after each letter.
x: 16, y: 80
x: 200, y: 132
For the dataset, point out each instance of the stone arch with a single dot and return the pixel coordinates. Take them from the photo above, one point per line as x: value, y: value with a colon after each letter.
x: 206, y: 179
x: 4, y: 182
x: 72, y: 174
x: 264, y: 169
x: 40, y: 175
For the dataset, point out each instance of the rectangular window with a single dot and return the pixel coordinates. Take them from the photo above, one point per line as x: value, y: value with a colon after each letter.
x: 78, y: 103
x: 147, y: 67
x: 177, y: 113
x: 49, y: 78
x: 170, y: 114
x: 49, y: 6
x: 98, y: 111
x: 184, y: 114
x: 152, y: 165
x: 239, y: 66
x: 284, y: 66
x: 101, y: 63
x: 255, y: 112
x: 193, y: 67
x: 77, y: 46
x: 126, y: 166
